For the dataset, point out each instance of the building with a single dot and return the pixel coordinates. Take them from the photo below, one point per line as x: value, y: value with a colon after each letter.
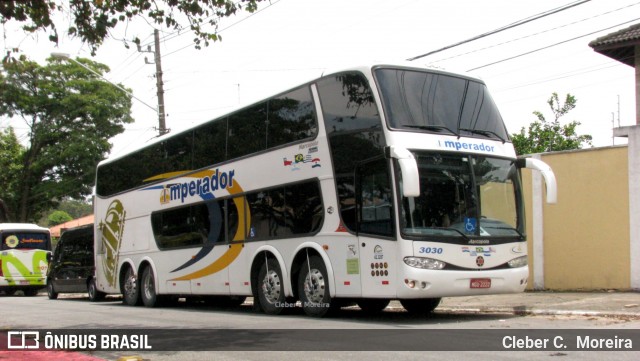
x: 59, y: 229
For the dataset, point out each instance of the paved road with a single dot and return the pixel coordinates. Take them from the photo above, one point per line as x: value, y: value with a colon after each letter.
x: 456, y: 324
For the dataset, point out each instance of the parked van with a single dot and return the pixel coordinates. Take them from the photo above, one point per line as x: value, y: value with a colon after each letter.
x: 24, y: 250
x: 72, y: 268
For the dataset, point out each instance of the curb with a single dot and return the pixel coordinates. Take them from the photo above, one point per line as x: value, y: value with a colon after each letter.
x: 523, y: 311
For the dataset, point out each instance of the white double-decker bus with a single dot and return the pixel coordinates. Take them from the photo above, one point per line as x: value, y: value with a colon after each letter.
x: 366, y: 185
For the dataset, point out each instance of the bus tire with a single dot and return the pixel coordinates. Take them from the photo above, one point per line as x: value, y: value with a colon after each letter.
x: 373, y: 305
x: 148, y: 288
x: 129, y: 288
x: 313, y: 288
x: 420, y: 306
x: 271, y: 288
x: 51, y: 292
x: 92, y: 290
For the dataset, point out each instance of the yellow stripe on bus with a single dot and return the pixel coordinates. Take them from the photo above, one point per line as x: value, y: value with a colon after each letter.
x: 234, y: 250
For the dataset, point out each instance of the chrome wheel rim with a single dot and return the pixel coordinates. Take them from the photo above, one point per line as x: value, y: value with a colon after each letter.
x: 130, y: 285
x: 314, y: 286
x: 271, y: 287
x: 148, y: 287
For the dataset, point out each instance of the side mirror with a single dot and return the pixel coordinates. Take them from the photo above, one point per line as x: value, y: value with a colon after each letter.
x: 408, y: 169
x: 547, y: 174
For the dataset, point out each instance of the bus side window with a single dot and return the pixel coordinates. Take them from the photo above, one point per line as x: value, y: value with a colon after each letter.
x: 247, y: 131
x: 233, y: 220
x: 375, y: 199
x: 291, y: 117
x: 354, y: 130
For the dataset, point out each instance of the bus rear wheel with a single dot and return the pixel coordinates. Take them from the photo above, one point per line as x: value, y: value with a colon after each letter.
x: 148, y: 288
x: 313, y: 288
x: 129, y: 288
x: 271, y: 288
x: 420, y: 306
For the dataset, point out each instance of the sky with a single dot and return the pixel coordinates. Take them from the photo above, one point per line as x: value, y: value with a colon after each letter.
x: 288, y: 42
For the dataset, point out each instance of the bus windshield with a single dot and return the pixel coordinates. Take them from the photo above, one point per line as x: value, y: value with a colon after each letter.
x: 464, y: 196
x: 25, y: 240
x: 435, y: 102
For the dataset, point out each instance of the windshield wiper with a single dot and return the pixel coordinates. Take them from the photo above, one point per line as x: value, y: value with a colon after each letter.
x: 508, y: 228
x: 487, y: 133
x: 452, y: 229
x: 436, y: 128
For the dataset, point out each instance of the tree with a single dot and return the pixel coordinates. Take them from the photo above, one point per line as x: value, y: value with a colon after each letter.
x: 10, y: 168
x: 58, y: 217
x: 92, y: 21
x: 74, y: 208
x: 71, y: 114
x: 544, y: 136
x: 4, y: 212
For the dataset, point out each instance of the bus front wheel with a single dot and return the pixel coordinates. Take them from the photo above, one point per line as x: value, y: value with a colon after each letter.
x: 130, y: 289
x: 421, y: 306
x: 313, y: 287
x: 271, y: 288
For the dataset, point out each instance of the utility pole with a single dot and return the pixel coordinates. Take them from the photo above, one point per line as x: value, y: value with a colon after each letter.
x: 161, y: 117
x: 157, y: 59
x: 618, y: 110
x: 613, y: 126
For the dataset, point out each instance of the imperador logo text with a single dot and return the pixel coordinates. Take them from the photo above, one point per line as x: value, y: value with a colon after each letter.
x: 467, y: 146
x: 198, y: 187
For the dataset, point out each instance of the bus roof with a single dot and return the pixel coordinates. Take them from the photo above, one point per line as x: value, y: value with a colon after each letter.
x: 363, y: 67
x: 398, y: 64
x: 21, y: 227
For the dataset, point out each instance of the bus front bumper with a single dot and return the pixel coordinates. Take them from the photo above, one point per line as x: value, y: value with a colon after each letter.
x: 422, y: 283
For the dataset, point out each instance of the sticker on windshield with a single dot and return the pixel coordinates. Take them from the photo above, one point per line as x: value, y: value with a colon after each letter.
x: 12, y: 241
x: 470, y: 225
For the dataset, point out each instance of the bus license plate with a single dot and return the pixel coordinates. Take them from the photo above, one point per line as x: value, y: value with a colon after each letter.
x: 480, y: 283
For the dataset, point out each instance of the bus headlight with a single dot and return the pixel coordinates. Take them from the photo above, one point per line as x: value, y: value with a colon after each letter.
x: 518, y: 262
x: 425, y: 263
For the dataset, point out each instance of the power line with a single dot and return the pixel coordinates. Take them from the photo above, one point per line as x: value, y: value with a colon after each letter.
x: 561, y: 76
x: 232, y: 25
x: 552, y: 45
x: 539, y: 95
x: 535, y: 34
x: 180, y: 32
x: 506, y: 27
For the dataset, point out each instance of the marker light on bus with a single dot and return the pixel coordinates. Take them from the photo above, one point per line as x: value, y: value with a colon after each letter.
x: 518, y: 262
x: 426, y: 263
